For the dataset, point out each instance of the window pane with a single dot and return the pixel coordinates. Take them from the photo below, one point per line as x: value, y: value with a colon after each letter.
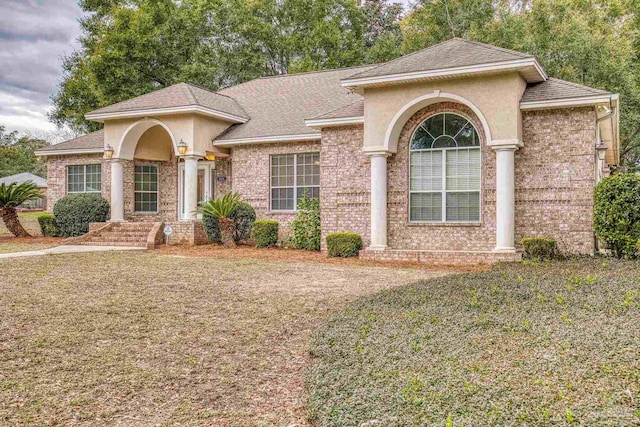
x: 463, y: 169
x: 453, y: 123
x: 435, y: 125
x: 75, y: 179
x: 463, y: 206
x: 421, y: 139
x: 426, y: 171
x: 146, y: 188
x: 94, y: 178
x: 312, y: 192
x: 282, y: 199
x: 425, y: 207
x: 282, y: 169
x: 468, y: 137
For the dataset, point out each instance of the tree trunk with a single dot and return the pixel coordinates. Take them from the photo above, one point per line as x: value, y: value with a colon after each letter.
x: 12, y: 222
x: 226, y: 232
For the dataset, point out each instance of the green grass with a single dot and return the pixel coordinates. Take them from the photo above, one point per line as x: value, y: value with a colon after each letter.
x: 553, y: 344
x: 7, y: 247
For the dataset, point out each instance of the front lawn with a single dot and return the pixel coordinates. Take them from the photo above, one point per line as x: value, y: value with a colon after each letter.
x: 29, y: 221
x: 142, y: 338
x: 529, y: 345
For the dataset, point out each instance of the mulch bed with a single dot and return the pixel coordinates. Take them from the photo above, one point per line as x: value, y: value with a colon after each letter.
x: 33, y: 239
x: 299, y: 255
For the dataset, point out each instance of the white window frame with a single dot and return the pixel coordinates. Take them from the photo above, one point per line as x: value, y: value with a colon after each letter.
x: 443, y: 191
x: 295, y: 181
x: 156, y: 192
x: 84, y: 179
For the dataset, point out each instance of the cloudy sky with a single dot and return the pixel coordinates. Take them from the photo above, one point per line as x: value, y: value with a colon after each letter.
x: 34, y: 36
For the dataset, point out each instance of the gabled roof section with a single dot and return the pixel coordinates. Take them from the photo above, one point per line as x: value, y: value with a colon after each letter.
x: 278, y: 106
x: 559, y: 89
x: 181, y: 97
x: 347, y: 115
x: 90, y: 143
x: 20, y: 178
x: 455, y: 57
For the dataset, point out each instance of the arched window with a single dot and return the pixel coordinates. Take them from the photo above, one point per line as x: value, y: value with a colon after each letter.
x: 444, y: 172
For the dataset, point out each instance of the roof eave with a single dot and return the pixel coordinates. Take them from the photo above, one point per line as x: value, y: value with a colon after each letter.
x: 68, y: 151
x: 267, y: 139
x: 333, y: 122
x: 195, y: 109
x: 581, y: 101
x: 480, y: 69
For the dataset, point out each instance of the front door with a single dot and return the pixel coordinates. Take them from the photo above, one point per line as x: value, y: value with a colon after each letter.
x: 206, y: 184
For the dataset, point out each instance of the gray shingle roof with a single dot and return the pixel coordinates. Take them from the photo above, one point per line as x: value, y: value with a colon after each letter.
x: 178, y: 95
x: 453, y: 53
x: 24, y: 177
x: 279, y: 105
x: 355, y: 109
x: 558, y: 89
x: 84, y: 142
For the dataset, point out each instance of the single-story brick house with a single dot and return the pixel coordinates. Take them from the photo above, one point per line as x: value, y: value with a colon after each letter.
x: 450, y: 154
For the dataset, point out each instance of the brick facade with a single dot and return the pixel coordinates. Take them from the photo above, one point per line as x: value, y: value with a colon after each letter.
x: 554, y: 185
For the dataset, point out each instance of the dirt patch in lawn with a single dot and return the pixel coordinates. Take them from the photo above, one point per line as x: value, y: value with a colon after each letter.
x: 142, y: 338
x: 297, y: 255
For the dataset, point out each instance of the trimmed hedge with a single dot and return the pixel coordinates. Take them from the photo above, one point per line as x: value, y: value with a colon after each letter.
x: 616, y: 213
x: 48, y: 225
x: 539, y: 247
x: 265, y: 232
x: 243, y: 216
x: 306, y: 225
x: 344, y: 244
x: 74, y: 213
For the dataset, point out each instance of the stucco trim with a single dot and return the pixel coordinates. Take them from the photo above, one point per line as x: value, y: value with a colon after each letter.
x: 67, y: 152
x: 266, y: 139
x: 518, y: 65
x: 322, y: 123
x: 413, y: 106
x: 566, y: 102
x: 165, y: 111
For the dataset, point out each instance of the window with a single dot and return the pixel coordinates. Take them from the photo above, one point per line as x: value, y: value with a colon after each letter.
x: 146, y: 188
x: 444, y: 171
x: 84, y: 178
x: 291, y: 175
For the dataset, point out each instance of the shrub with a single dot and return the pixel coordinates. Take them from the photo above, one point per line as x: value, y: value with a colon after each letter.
x: 306, y: 225
x: 344, y: 244
x: 617, y: 213
x: 74, y: 213
x: 539, y: 247
x: 243, y: 216
x: 265, y: 231
x: 48, y: 225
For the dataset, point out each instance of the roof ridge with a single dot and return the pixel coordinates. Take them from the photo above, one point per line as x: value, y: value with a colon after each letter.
x: 77, y: 137
x: 412, y: 53
x: 186, y: 89
x: 311, y: 72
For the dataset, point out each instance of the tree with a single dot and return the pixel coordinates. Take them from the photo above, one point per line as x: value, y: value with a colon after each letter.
x: 12, y: 196
x: 383, y: 36
x: 17, y: 154
x: 222, y: 208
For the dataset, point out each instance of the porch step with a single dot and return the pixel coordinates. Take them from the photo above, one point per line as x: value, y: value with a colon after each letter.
x: 119, y: 234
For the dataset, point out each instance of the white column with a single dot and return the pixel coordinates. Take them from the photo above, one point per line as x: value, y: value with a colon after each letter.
x: 378, y: 201
x: 190, y: 187
x: 117, y: 190
x: 505, y: 197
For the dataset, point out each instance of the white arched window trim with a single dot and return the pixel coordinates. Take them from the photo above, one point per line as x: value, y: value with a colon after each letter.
x: 445, y: 179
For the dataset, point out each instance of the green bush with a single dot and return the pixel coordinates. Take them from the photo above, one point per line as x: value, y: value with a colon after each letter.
x: 539, y: 247
x: 74, y: 213
x: 243, y: 216
x: 306, y: 225
x: 617, y: 213
x: 265, y: 232
x: 48, y: 225
x: 344, y: 244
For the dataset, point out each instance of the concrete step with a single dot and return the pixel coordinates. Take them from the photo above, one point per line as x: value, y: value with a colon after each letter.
x: 101, y: 243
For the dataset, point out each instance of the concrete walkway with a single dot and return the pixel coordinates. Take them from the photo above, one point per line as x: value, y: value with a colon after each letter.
x: 70, y: 249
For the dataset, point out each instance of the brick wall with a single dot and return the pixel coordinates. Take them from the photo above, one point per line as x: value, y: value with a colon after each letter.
x: 555, y: 178
x: 345, y: 182
x: 250, y: 175
x: 57, y: 175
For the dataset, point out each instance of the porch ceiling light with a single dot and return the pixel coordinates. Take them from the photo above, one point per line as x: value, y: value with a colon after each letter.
x: 108, y: 152
x: 182, y: 148
x: 601, y: 149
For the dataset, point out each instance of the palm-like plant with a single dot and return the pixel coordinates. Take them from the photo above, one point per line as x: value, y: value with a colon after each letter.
x: 12, y: 196
x: 221, y: 208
